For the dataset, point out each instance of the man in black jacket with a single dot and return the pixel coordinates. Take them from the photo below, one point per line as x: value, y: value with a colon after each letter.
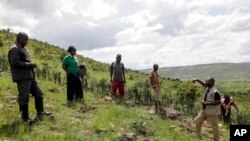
x: 22, y: 71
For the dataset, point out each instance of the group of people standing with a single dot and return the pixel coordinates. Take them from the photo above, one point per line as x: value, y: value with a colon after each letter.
x: 23, y: 74
x: 22, y: 71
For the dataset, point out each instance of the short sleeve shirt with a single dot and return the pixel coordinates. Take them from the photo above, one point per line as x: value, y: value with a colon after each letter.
x: 154, y: 76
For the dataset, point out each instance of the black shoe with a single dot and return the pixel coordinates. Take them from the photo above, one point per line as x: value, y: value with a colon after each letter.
x: 46, y: 113
x: 40, y: 116
x: 29, y: 122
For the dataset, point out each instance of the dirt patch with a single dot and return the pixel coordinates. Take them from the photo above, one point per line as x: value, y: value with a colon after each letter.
x: 102, y: 130
x: 141, y: 128
x: 53, y: 90
x: 87, y: 133
x: 107, y: 98
x: 127, y: 137
x: 146, y: 139
x: 12, y: 98
x: 87, y: 109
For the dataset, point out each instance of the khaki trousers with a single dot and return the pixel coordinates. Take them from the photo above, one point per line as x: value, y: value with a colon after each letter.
x: 157, y: 90
x: 212, y: 120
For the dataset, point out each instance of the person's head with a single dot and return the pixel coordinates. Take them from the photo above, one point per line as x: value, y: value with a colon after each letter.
x: 22, y: 39
x: 72, y: 50
x: 155, y: 67
x: 227, y: 99
x: 210, y: 82
x: 118, y: 58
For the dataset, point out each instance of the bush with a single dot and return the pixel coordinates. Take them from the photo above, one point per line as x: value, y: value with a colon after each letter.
x: 243, y: 117
x: 187, y: 95
x: 103, y: 86
x: 140, y: 93
x: 3, y: 62
x: 1, y: 43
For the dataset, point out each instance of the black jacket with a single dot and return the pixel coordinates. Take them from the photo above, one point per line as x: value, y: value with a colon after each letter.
x: 19, y: 61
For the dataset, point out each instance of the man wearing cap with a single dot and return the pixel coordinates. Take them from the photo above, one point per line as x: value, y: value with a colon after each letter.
x: 22, y: 71
x: 210, y: 108
x: 117, y: 76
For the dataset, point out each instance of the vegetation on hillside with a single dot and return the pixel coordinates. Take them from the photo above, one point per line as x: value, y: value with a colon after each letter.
x: 103, y: 120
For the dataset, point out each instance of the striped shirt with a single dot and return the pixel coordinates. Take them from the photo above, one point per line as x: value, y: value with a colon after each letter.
x: 19, y: 61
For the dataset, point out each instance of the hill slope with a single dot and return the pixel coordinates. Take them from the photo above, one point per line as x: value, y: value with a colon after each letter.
x: 94, y: 119
x: 221, y: 71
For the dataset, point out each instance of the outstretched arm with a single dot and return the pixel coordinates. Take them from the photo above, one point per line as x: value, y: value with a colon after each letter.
x: 201, y: 82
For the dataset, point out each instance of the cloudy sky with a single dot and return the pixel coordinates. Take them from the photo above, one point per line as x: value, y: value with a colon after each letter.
x: 167, y: 32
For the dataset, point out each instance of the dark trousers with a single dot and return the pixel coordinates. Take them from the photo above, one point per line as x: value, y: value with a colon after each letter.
x: 74, y: 87
x: 25, y: 87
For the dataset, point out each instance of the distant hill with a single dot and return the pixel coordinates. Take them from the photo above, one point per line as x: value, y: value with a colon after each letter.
x: 221, y: 71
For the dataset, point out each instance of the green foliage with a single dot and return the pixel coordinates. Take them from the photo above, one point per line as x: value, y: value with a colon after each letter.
x: 4, y: 64
x: 140, y: 93
x: 103, y: 86
x: 187, y: 95
x: 70, y: 124
x: 243, y: 117
x: 1, y: 43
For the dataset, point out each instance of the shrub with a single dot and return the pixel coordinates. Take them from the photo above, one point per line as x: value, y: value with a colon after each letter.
x: 187, y: 95
x: 243, y: 117
x: 1, y: 43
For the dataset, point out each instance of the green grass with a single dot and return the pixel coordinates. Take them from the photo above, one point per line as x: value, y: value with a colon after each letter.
x: 69, y: 123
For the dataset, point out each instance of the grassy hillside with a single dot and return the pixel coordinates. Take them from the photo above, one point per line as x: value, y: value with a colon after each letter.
x: 96, y: 119
x: 221, y: 71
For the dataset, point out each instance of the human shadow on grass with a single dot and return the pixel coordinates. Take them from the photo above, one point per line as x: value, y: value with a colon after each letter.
x: 14, y: 128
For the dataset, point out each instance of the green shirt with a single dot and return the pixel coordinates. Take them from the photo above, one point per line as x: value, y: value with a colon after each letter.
x: 70, y: 63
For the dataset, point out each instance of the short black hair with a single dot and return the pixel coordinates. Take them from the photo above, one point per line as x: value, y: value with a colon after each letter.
x: 71, y: 48
x: 155, y: 65
x: 21, y: 35
x: 118, y: 55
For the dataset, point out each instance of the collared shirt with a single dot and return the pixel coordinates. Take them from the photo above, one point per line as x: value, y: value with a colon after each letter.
x: 154, y: 76
x: 71, y: 64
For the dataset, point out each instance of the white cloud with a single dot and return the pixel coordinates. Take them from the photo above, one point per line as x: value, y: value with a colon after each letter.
x: 99, y: 10
x: 132, y: 55
x: 167, y: 32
